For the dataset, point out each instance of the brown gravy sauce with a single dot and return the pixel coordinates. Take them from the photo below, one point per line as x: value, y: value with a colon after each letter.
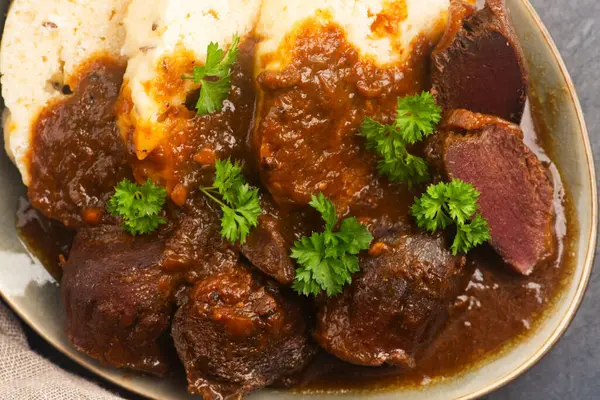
x: 77, y: 141
x: 185, y: 158
x: 310, y: 113
x: 497, y: 309
x: 46, y: 239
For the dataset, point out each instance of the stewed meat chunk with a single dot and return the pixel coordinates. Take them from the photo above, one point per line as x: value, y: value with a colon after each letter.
x: 395, y: 305
x: 479, y: 64
x: 516, y: 191
x: 193, y: 244
x: 77, y: 155
x: 311, y: 108
x: 118, y: 301
x: 236, y: 333
x: 268, y: 250
x: 269, y: 245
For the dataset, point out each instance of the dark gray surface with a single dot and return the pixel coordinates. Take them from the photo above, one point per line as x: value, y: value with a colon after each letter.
x: 572, y: 369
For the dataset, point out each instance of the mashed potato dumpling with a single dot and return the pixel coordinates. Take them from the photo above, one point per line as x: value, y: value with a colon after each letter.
x: 165, y: 39
x: 44, y: 44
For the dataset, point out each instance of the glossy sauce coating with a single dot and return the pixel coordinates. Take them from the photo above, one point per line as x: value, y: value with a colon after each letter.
x: 192, y: 143
x: 77, y: 156
x: 311, y: 112
x: 497, y: 308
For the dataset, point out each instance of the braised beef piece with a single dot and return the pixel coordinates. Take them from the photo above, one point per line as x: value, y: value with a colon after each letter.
x: 194, y: 245
x: 516, y: 191
x: 311, y: 110
x: 303, y: 133
x: 77, y: 154
x: 118, y: 301
x: 396, y: 304
x: 268, y: 250
x: 268, y: 245
x: 479, y: 64
x: 236, y: 333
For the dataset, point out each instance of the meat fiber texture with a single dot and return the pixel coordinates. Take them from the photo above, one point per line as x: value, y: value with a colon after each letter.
x: 479, y: 64
x: 180, y: 31
x: 517, y: 193
x: 268, y: 248
x: 118, y: 304
x: 237, y: 332
x: 395, y: 305
x: 44, y: 44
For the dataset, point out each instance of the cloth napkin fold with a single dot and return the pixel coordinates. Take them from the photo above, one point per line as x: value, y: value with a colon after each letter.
x: 25, y: 375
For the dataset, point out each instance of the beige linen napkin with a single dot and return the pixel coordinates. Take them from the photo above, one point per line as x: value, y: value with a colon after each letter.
x: 25, y: 375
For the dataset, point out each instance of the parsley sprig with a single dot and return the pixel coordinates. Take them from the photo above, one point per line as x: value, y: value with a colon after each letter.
x: 417, y: 118
x: 328, y: 259
x: 453, y: 202
x: 139, y: 206
x: 240, y: 204
x: 215, y: 76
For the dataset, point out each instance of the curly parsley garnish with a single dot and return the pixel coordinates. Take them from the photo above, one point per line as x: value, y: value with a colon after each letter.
x: 240, y: 204
x: 215, y: 76
x: 328, y: 259
x: 453, y: 202
x: 139, y: 206
x: 417, y: 118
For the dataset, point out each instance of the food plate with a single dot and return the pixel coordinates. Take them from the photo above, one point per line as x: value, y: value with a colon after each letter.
x: 35, y: 296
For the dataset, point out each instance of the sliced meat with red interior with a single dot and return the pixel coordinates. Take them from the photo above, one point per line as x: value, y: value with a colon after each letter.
x: 479, y: 64
x: 396, y: 304
x: 236, y: 333
x: 517, y: 193
x: 118, y: 301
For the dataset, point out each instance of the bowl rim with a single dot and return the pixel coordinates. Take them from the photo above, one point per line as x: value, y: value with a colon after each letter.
x: 588, y: 263
x: 550, y: 341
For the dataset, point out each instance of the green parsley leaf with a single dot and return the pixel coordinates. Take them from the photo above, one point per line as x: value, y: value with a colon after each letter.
x: 229, y: 58
x: 214, y: 91
x: 462, y: 199
x: 139, y: 206
x: 471, y: 235
x: 429, y: 209
x: 354, y: 235
x: 453, y: 202
x: 240, y: 204
x: 417, y: 117
x: 228, y: 178
x: 308, y: 252
x: 212, y: 95
x: 329, y: 259
x: 326, y: 208
x: 401, y: 166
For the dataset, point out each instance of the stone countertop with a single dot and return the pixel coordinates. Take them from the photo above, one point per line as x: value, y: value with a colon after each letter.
x: 572, y: 369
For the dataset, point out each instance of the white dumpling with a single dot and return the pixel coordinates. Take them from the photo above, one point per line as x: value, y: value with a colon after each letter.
x: 44, y: 43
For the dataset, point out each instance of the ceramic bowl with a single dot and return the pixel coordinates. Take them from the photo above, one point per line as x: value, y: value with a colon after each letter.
x: 35, y: 295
